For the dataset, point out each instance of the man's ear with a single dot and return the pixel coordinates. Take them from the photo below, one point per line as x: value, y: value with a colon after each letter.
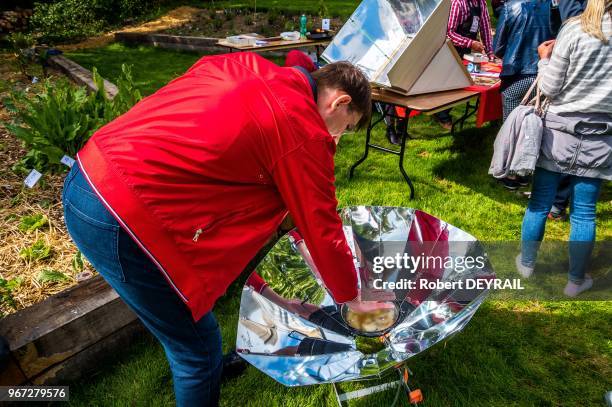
x: 343, y: 99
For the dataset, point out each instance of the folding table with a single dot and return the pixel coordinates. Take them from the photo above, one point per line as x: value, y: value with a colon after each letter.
x: 426, y: 103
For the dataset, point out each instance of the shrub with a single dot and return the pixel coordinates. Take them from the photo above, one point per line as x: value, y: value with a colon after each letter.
x: 64, y: 20
x: 23, y: 49
x: 322, y: 10
x: 289, y: 26
x: 61, y: 118
x: 273, y: 15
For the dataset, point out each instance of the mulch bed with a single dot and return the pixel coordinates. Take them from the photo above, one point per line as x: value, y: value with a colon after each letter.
x: 16, y: 202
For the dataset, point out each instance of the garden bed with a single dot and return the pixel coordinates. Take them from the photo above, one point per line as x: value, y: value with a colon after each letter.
x: 56, y: 330
x: 36, y: 255
x: 232, y: 21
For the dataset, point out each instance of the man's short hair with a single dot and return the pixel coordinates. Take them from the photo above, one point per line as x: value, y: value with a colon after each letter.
x: 348, y: 78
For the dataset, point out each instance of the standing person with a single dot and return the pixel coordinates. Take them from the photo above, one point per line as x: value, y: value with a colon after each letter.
x: 522, y: 26
x: 170, y: 201
x: 468, y: 19
x: 567, y: 10
x: 497, y: 6
x: 571, y: 8
x: 577, y: 138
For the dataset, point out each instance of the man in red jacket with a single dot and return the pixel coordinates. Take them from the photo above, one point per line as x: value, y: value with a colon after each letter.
x: 170, y: 201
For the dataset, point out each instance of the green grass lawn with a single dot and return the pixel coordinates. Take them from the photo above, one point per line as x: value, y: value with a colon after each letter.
x: 512, y: 353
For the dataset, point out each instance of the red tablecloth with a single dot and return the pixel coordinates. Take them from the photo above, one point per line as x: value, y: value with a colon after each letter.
x: 490, y: 104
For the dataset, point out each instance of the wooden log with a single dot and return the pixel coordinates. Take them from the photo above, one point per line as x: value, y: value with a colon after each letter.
x: 81, y: 75
x: 12, y: 374
x: 86, y: 361
x: 52, y: 331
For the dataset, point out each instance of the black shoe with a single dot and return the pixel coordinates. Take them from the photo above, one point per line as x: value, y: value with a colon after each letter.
x: 510, y: 184
x: 392, y: 136
x: 233, y: 366
x: 523, y: 181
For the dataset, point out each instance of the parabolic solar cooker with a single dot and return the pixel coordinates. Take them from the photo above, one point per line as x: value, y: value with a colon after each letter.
x: 291, y: 329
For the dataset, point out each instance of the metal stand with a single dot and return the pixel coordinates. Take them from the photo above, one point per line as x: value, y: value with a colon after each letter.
x: 402, y: 126
x: 469, y: 111
x: 414, y: 396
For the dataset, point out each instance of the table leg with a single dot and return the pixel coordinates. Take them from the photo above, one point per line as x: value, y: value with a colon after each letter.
x: 318, y: 51
x: 469, y: 111
x: 403, y: 125
x: 366, y: 150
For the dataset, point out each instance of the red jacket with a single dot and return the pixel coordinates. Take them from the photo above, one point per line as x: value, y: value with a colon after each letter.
x: 202, y: 173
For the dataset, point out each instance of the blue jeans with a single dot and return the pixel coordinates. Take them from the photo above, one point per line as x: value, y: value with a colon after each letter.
x: 585, y: 192
x: 193, y: 348
x: 563, y: 196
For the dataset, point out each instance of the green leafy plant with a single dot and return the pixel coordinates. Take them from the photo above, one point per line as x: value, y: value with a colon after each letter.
x: 217, y: 24
x: 61, y: 118
x: 6, y: 291
x: 31, y: 223
x: 52, y: 276
x: 273, y: 15
x: 25, y: 54
x: 77, y: 262
x: 322, y: 10
x: 37, y: 252
x: 290, y: 26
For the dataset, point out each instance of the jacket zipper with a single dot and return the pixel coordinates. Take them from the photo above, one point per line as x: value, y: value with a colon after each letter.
x: 210, y: 225
x: 575, y: 158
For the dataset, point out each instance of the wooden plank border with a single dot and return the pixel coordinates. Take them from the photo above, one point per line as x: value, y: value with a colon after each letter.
x: 80, y: 75
x: 169, y: 41
x: 47, y: 334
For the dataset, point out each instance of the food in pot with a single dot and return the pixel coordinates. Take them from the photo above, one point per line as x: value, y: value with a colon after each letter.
x: 371, y: 321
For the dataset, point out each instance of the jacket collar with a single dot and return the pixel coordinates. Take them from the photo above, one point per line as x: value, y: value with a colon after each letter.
x: 311, y: 81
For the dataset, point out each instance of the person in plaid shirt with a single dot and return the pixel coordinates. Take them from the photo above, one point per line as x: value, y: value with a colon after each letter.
x: 467, y: 19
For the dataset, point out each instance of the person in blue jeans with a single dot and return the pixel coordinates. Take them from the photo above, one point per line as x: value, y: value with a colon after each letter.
x: 567, y: 9
x: 193, y: 348
x: 576, y: 138
x: 582, y: 235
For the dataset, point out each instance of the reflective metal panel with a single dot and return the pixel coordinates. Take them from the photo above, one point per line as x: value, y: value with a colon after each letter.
x: 378, y: 32
x: 291, y: 329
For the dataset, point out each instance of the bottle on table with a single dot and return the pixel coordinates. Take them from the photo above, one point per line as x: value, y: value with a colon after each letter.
x: 303, y: 21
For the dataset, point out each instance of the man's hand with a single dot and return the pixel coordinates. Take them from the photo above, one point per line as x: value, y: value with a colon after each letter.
x: 300, y: 308
x: 477, y: 46
x: 545, y: 49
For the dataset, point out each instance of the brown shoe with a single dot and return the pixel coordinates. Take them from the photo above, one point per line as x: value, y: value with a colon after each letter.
x: 445, y: 124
